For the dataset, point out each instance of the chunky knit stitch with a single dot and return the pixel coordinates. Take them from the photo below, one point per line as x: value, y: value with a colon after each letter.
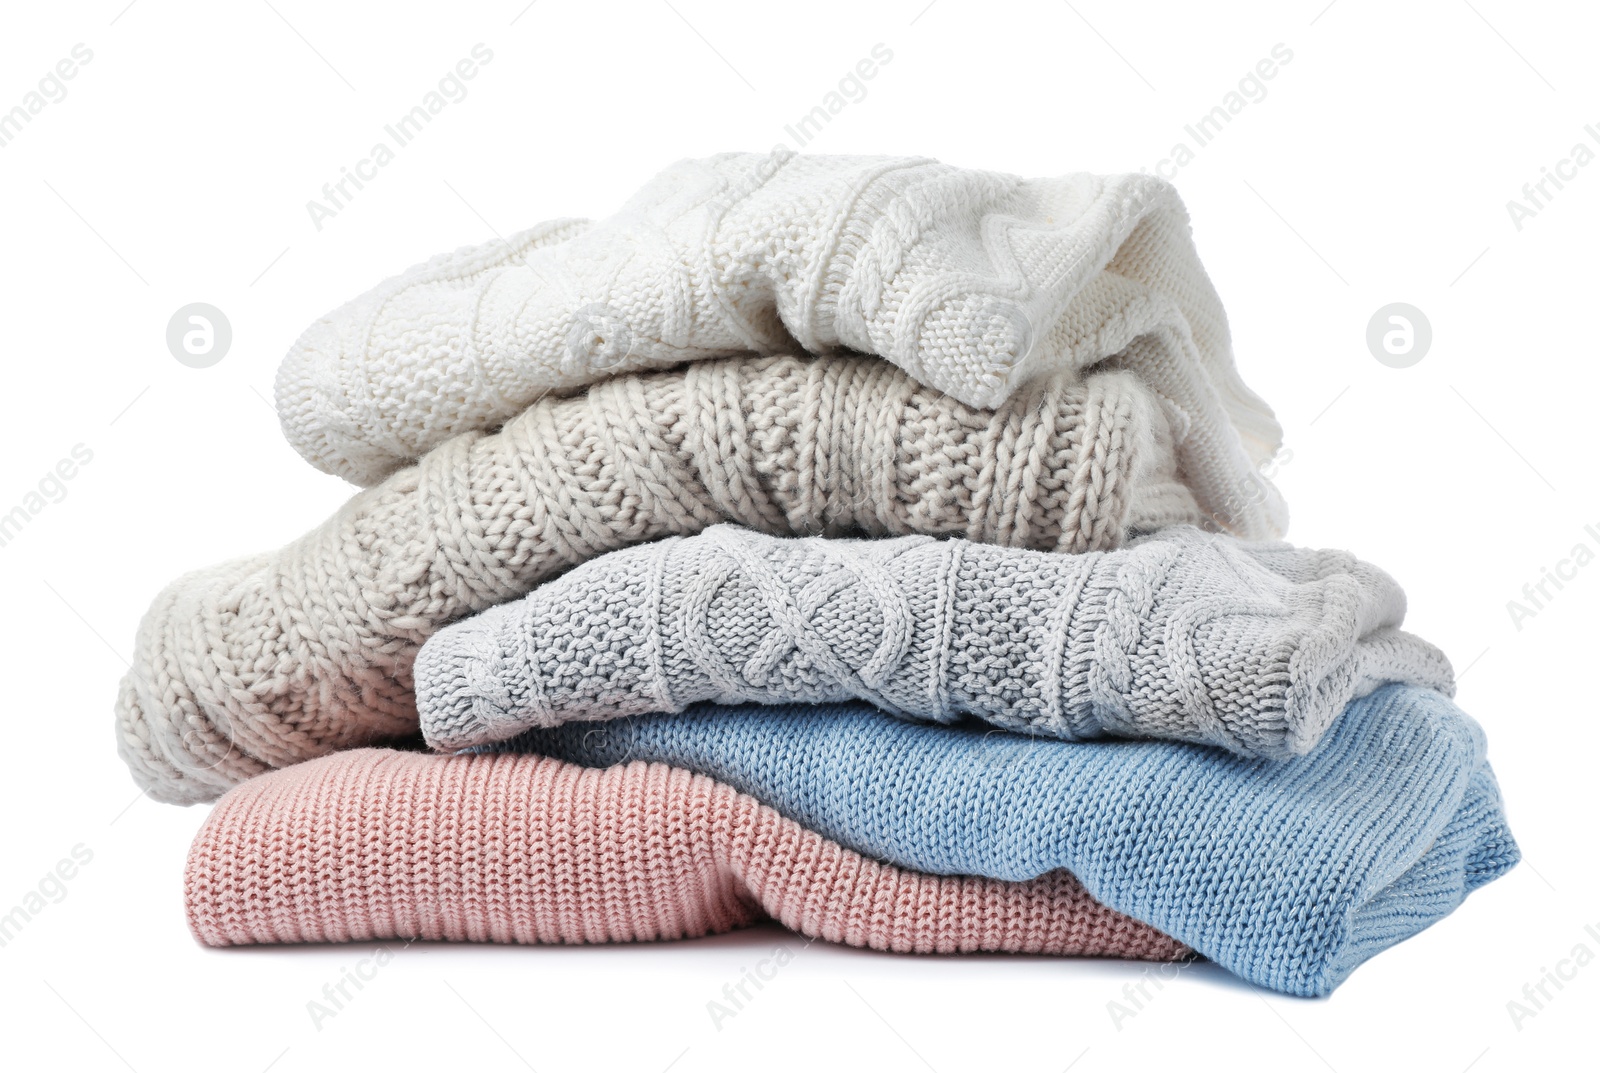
x: 1183, y: 634
x: 287, y: 655
x: 973, y: 282
x: 376, y: 844
x: 1288, y: 873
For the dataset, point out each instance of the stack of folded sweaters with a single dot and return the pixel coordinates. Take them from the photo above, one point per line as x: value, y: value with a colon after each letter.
x: 868, y: 544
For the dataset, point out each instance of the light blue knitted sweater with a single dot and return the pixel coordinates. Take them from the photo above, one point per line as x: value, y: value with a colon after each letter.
x: 1288, y: 873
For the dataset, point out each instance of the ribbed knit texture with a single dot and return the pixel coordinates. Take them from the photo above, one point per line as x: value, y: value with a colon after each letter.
x: 280, y: 657
x: 1183, y: 635
x: 376, y: 844
x: 973, y: 282
x: 1288, y: 873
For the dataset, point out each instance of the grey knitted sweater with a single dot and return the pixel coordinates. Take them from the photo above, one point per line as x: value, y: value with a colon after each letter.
x: 1181, y: 635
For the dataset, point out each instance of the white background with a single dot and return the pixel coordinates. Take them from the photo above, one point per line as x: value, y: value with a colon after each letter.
x: 1377, y: 169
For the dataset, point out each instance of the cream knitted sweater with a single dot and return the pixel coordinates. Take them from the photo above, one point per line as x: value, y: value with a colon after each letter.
x: 973, y: 282
x: 269, y: 660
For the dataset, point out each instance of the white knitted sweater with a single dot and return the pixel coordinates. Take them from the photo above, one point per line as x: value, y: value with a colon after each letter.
x: 973, y: 282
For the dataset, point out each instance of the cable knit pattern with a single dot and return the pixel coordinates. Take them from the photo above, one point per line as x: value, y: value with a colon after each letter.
x: 265, y: 661
x: 1184, y: 635
x: 973, y: 282
x: 366, y: 441
x: 376, y: 844
x: 1288, y: 873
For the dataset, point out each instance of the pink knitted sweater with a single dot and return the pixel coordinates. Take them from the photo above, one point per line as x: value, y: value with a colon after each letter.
x: 383, y: 844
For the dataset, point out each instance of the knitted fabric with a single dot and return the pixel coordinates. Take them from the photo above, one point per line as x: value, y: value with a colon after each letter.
x: 287, y: 655
x: 1288, y: 873
x: 1185, y: 635
x: 973, y: 282
x: 376, y: 844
